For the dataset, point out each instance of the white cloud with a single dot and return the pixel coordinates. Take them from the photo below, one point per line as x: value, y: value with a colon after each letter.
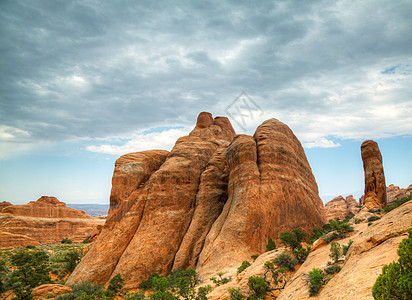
x: 321, y: 143
x: 163, y: 140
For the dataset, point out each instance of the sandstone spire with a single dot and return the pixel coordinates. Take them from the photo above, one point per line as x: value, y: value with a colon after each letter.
x: 375, y: 187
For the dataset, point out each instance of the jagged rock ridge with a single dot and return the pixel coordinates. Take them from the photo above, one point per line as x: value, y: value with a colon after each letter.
x: 210, y: 203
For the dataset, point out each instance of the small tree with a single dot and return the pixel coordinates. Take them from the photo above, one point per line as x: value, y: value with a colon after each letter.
x: 293, y: 238
x: 284, y: 260
x: 315, y: 281
x: 245, y: 264
x: 235, y: 294
x: 258, y: 286
x: 395, y: 282
x: 270, y: 245
x: 335, y: 251
x: 115, y: 285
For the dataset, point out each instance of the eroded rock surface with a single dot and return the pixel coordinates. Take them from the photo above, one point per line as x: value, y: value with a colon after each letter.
x: 340, y: 207
x: 375, y: 187
x: 4, y: 204
x: 394, y: 193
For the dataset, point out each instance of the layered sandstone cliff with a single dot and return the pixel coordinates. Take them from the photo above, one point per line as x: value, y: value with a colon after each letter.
x: 46, y: 220
x: 211, y: 202
x: 394, y: 193
x: 375, y: 187
x: 340, y: 207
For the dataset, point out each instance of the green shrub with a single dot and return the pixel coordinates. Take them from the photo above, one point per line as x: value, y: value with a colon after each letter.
x: 293, y: 238
x: 316, y: 234
x: 203, y: 291
x: 373, y: 218
x: 335, y: 251
x: 345, y: 248
x: 115, y: 285
x: 70, y: 260
x: 235, y: 294
x: 86, y: 290
x: 148, y: 284
x: 315, y: 281
x: 258, y: 286
x: 370, y: 223
x: 333, y: 269
x: 183, y: 282
x: 245, y: 264
x: 136, y: 296
x: 30, y: 247
x: 395, y: 282
x: 357, y: 221
x: 255, y: 256
x: 284, y: 260
x: 271, y: 245
x: 87, y: 240
x: 66, y: 241
x: 51, y: 295
x: 398, y: 203
x: 220, y: 280
x: 330, y: 237
x: 301, y: 254
x: 375, y: 210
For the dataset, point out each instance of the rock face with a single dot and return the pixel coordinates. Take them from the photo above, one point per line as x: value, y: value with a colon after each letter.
x: 394, y: 193
x: 373, y: 246
x: 4, y: 204
x: 340, y: 207
x: 46, y: 220
x: 375, y: 187
x: 211, y: 202
x: 43, y: 290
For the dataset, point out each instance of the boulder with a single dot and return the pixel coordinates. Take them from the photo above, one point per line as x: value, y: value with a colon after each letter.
x: 45, y: 289
x: 375, y: 187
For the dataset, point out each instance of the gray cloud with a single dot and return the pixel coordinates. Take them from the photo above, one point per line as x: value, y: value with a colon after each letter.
x: 101, y: 69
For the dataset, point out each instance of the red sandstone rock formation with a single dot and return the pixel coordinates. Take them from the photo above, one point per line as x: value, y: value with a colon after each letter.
x: 46, y: 220
x: 394, y: 193
x: 4, y: 204
x: 340, y: 207
x: 375, y: 187
x: 204, y: 205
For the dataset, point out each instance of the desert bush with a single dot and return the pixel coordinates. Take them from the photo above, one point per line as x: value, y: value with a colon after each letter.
x: 398, y: 203
x: 70, y: 260
x: 258, y: 286
x: 203, y: 291
x: 370, y: 223
x: 66, y: 241
x: 333, y: 269
x: 51, y: 295
x: 375, y: 210
x: 245, y: 264
x: 315, y: 281
x: 293, y: 238
x: 301, y: 254
x: 235, y: 294
x: 86, y: 290
x: 329, y: 238
x: 335, y: 251
x: 270, y: 245
x: 148, y: 284
x: 115, y: 285
x: 316, y: 234
x: 254, y: 256
x: 30, y: 247
x: 87, y: 240
x: 135, y: 296
x: 284, y: 260
x: 373, y: 218
x: 345, y: 248
x: 221, y: 280
x: 395, y: 282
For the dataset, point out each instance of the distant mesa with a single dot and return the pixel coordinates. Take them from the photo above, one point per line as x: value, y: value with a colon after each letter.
x: 211, y: 202
x: 340, y: 208
x: 46, y: 220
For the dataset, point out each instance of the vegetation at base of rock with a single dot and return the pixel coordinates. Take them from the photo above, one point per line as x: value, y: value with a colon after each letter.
x: 254, y: 256
x: 221, y: 280
x: 115, y: 285
x: 87, y: 240
x: 258, y: 286
x: 398, y: 203
x: 315, y: 281
x: 135, y: 296
x: 301, y: 254
x: 345, y: 248
x: 373, y: 218
x: 203, y: 291
x: 333, y: 269
x: 148, y: 284
x: 375, y: 210
x: 293, y: 238
x: 335, y: 251
x: 235, y: 294
x: 245, y: 264
x: 85, y: 291
x: 339, y: 228
x: 284, y: 260
x: 66, y: 241
x: 270, y: 245
x: 395, y: 282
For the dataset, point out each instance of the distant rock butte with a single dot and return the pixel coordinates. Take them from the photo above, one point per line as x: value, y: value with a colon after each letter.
x: 340, y: 207
x: 394, y: 193
x: 375, y: 187
x: 210, y: 203
x: 46, y: 220
x: 4, y: 204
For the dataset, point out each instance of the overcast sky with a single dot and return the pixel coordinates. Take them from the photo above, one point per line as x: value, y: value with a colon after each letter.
x: 82, y: 82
